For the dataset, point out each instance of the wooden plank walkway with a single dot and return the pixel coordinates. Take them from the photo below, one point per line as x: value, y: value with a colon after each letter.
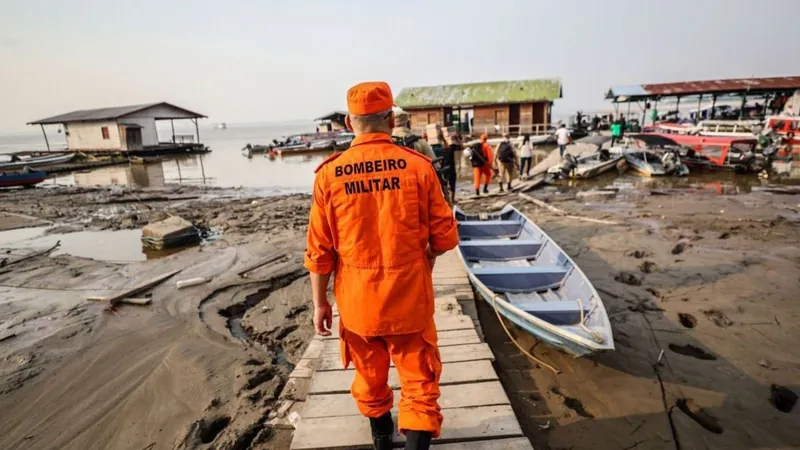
x: 477, y: 412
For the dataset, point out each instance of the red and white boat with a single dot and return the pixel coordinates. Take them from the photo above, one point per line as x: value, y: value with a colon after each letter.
x: 787, y: 127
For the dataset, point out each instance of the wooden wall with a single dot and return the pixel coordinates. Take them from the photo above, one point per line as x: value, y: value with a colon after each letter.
x: 486, y: 117
x: 422, y: 117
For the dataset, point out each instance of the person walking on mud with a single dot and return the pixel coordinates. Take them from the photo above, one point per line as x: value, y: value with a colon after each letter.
x: 378, y: 222
x: 480, y: 157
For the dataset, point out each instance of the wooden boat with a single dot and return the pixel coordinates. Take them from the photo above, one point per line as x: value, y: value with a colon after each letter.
x: 36, y: 161
x: 25, y: 179
x: 589, y: 165
x: 527, y: 278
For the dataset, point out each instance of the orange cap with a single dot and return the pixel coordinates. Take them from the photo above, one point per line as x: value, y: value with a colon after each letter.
x: 484, y: 137
x: 369, y: 98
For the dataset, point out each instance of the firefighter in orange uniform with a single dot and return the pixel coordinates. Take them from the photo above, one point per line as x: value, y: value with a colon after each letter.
x: 378, y: 222
x: 484, y: 171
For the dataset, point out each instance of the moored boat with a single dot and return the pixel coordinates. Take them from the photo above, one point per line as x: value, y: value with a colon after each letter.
x: 25, y: 179
x: 528, y: 279
x: 588, y: 165
x: 660, y: 156
x: 35, y: 161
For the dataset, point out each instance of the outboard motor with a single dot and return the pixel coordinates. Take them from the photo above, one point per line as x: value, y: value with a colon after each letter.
x: 570, y: 163
x: 605, y: 155
x: 671, y: 161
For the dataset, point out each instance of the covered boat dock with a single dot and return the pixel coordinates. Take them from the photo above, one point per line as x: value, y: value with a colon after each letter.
x: 776, y: 93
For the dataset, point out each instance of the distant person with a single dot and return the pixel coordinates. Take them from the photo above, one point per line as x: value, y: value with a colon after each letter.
x: 404, y: 137
x: 616, y: 132
x: 562, y: 139
x: 525, y: 155
x: 623, y: 124
x: 595, y: 122
x: 451, y: 154
x: 506, y: 161
x: 480, y: 156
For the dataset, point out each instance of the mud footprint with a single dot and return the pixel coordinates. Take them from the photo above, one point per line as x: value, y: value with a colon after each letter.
x: 693, y: 351
x: 783, y: 399
x: 573, y: 404
x: 703, y: 418
x: 687, y: 320
x: 718, y: 317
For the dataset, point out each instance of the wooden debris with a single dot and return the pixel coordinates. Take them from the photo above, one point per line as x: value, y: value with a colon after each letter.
x: 117, y: 299
x: 7, y: 337
x: 139, y: 301
x: 190, y: 282
x: 16, y: 261
x: 269, y: 259
x: 563, y: 213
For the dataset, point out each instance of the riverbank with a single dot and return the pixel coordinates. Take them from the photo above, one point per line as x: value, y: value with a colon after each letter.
x: 709, y: 279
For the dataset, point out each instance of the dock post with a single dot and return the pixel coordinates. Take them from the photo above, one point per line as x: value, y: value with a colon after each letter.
x: 699, y: 103
x: 45, y: 137
x: 713, y: 106
x: 197, y: 130
x: 172, y: 124
x: 202, y: 168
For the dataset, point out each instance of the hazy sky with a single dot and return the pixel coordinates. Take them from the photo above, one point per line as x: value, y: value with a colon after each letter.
x: 271, y: 60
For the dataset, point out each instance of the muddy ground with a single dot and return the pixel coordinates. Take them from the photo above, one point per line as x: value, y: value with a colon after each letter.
x: 709, y: 279
x: 201, y: 367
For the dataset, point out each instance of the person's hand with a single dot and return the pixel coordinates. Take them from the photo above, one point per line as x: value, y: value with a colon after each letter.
x: 323, y: 318
x: 431, y: 257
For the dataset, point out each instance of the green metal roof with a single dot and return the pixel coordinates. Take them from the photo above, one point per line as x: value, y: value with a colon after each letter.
x: 470, y: 94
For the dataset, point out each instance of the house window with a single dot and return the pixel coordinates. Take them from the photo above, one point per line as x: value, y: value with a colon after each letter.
x: 105, y: 133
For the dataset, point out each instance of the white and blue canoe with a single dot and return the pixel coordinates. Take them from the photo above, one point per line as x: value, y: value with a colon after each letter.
x: 532, y: 282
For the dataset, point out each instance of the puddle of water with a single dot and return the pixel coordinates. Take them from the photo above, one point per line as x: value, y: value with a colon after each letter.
x: 121, y: 245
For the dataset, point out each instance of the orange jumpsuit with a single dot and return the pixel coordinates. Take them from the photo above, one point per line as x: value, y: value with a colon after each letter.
x: 376, y: 208
x: 484, y: 171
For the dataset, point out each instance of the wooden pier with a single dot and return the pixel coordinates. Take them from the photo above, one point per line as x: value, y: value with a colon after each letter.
x: 477, y: 412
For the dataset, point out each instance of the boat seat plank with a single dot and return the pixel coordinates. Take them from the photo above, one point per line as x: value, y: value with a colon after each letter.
x: 562, y: 312
x: 499, y: 250
x: 489, y: 229
x: 520, y: 279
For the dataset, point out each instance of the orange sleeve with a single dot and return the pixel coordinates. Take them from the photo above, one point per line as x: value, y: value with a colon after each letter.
x: 487, y: 149
x: 443, y: 228
x: 320, y: 254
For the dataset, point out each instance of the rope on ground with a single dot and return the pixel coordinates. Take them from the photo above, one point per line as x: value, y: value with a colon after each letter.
x: 508, y: 333
x: 34, y: 255
x: 563, y: 213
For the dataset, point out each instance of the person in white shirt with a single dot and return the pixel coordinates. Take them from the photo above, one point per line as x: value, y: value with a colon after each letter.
x: 562, y: 139
x: 525, y: 156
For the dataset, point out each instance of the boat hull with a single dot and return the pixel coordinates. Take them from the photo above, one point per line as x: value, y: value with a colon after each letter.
x: 22, y: 179
x: 37, y: 162
x: 530, y: 281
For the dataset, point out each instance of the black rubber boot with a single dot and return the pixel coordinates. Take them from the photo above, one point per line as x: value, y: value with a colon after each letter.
x: 477, y: 192
x: 501, y: 187
x: 382, y: 432
x: 509, y: 186
x: 485, y: 188
x: 418, y: 440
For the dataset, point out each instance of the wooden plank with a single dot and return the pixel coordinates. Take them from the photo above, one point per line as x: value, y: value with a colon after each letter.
x: 446, y: 338
x: 305, y: 368
x: 339, y: 381
x: 443, y: 323
x: 262, y: 262
x: 451, y: 354
x: 489, y: 393
x: 113, y: 301
x: 494, y: 444
x: 460, y: 424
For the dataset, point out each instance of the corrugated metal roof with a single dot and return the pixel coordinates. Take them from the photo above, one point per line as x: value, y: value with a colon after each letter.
x: 92, y: 115
x: 470, y: 94
x: 732, y: 86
